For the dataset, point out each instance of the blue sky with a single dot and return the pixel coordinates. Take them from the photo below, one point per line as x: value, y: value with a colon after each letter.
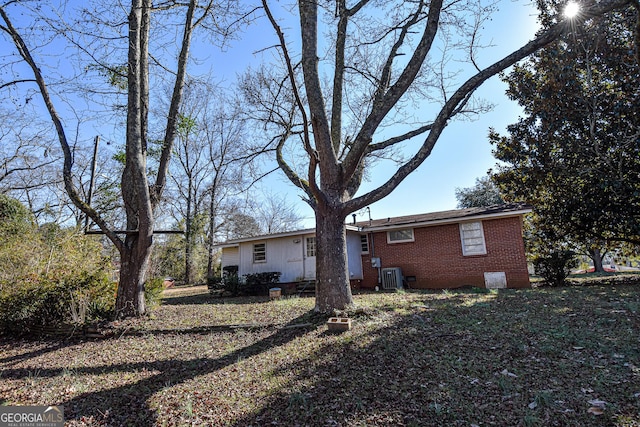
x: 463, y: 152
x: 461, y: 155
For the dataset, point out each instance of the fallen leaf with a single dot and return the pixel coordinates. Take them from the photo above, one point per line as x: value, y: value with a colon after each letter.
x: 595, y: 410
x: 509, y: 374
x: 597, y: 402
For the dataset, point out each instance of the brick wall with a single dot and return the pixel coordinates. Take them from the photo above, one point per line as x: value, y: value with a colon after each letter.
x: 435, y: 257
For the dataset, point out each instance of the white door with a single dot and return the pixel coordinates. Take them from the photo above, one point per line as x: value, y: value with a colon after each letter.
x: 310, y: 258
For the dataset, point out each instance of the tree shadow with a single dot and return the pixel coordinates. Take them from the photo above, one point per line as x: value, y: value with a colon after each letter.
x: 128, y: 404
x: 203, y: 330
x: 49, y: 346
x: 199, y: 299
x: 464, y: 363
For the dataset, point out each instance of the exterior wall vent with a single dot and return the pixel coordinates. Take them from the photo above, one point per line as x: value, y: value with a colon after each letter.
x: 392, y: 278
x: 495, y: 280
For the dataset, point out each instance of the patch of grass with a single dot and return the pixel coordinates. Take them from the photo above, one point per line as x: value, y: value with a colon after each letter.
x: 461, y: 357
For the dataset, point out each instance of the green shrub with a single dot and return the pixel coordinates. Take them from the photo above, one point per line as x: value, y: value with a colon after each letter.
x: 15, y: 218
x: 229, y: 281
x: 259, y: 283
x: 49, y: 274
x: 554, y: 267
x: 33, y: 301
x: 214, y: 284
x: 231, y: 284
x: 152, y: 290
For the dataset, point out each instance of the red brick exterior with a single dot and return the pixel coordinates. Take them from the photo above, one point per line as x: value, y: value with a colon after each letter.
x: 435, y: 257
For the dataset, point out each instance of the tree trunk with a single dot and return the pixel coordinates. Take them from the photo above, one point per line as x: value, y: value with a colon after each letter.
x: 333, y: 289
x: 596, y: 256
x: 188, y: 238
x: 135, y: 258
x: 211, y: 238
x: 136, y: 250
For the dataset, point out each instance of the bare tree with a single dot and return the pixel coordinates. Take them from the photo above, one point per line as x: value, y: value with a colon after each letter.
x: 275, y: 213
x: 207, y: 175
x: 28, y: 160
x: 228, y: 156
x: 384, y: 57
x: 190, y: 178
x: 140, y: 195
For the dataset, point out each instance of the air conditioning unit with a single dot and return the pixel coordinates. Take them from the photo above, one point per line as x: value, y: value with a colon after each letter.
x: 392, y: 278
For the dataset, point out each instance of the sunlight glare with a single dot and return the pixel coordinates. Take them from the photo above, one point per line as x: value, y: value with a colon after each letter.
x: 571, y: 10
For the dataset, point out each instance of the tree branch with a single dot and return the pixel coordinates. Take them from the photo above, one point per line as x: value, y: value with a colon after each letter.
x: 15, y: 82
x: 390, y: 98
x: 174, y: 107
x: 462, y: 94
x: 55, y: 118
x: 310, y: 187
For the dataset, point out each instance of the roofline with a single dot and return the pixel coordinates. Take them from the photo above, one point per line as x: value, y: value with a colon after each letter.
x: 227, y: 245
x: 472, y: 217
x: 236, y: 242
x: 364, y: 228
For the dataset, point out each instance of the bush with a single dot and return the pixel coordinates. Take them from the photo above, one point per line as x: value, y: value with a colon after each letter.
x: 230, y: 281
x: 34, y: 301
x: 215, y: 284
x: 15, y: 218
x: 232, y: 284
x: 259, y: 283
x: 152, y: 291
x: 49, y: 275
x: 554, y: 267
x: 250, y: 284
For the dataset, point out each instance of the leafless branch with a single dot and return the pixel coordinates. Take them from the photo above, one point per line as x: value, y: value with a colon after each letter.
x: 68, y: 157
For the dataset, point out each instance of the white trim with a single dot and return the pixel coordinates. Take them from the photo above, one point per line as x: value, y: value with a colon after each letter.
x: 227, y: 245
x: 367, y: 229
x: 411, y: 239
x: 366, y: 238
x: 253, y: 253
x: 482, y: 246
x: 268, y: 236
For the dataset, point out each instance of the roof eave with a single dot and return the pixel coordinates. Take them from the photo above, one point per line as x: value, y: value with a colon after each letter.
x: 236, y: 242
x: 429, y: 223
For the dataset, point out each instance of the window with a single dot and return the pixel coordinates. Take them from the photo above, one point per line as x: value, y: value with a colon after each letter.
x: 398, y: 236
x: 311, y: 246
x: 260, y: 252
x: 472, y: 236
x: 364, y: 244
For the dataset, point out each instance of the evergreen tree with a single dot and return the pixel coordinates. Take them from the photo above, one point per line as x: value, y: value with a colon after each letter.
x: 575, y: 154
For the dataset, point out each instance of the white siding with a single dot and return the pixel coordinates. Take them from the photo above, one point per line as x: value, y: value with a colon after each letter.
x: 288, y: 255
x: 283, y: 254
x: 230, y: 256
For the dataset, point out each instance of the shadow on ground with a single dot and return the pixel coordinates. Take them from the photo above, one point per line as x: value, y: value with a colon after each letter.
x: 128, y: 404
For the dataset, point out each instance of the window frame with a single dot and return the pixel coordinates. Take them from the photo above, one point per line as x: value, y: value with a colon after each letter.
x: 481, y: 247
x: 311, y: 246
x: 263, y: 252
x: 392, y: 241
x: 364, y: 241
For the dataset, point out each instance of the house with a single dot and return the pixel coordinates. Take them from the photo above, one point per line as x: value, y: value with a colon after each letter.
x: 480, y: 247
